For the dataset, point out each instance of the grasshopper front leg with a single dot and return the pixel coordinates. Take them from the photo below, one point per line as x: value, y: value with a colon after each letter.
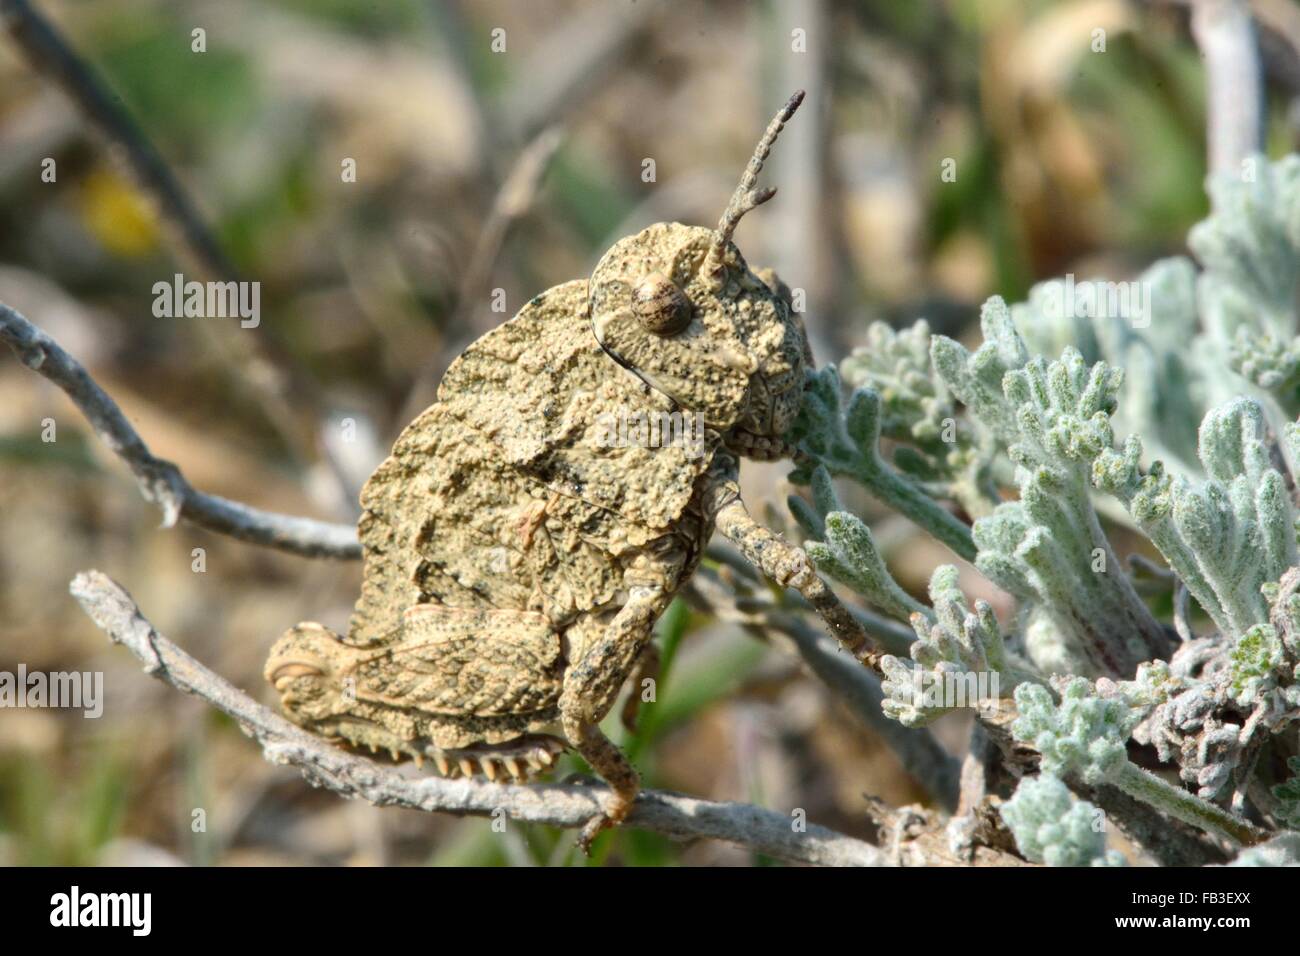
x: 784, y: 563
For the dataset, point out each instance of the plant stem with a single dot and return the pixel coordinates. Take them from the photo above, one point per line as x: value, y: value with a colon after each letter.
x: 1188, y: 807
x: 909, y: 500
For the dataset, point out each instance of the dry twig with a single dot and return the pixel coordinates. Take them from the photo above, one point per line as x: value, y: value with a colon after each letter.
x: 161, y: 481
x: 675, y: 816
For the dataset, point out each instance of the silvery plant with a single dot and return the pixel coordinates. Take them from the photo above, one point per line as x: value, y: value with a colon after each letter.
x: 1119, y: 458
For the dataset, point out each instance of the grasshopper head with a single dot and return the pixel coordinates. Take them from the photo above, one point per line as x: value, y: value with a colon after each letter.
x: 678, y: 306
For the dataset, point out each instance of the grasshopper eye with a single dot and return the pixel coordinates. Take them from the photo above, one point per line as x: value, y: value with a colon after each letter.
x: 660, y: 306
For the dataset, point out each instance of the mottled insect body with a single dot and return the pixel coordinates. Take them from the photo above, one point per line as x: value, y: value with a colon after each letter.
x: 515, y: 558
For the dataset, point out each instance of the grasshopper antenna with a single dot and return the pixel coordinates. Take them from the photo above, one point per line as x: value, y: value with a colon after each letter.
x: 746, y: 196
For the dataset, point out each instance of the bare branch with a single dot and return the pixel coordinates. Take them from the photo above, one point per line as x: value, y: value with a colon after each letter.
x: 673, y: 815
x: 161, y: 481
x: 914, y: 836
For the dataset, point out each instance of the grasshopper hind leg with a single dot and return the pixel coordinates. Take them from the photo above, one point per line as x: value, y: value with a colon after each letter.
x: 590, y: 686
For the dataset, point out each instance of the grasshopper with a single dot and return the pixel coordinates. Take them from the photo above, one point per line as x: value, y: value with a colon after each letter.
x: 516, y: 556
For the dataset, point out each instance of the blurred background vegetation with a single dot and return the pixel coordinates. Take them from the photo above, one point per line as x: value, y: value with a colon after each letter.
x: 481, y: 170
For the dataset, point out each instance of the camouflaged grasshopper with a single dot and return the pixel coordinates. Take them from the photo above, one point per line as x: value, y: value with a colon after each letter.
x: 515, y: 558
